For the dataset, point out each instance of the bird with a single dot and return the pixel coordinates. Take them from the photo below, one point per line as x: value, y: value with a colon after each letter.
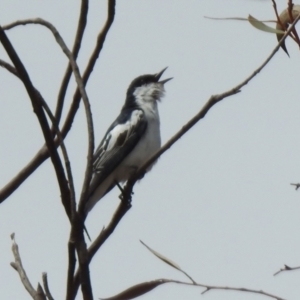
x: 130, y: 140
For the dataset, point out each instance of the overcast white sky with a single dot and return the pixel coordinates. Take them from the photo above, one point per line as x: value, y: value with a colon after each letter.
x: 219, y: 202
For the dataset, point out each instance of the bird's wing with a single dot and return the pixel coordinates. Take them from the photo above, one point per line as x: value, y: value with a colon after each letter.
x: 120, y: 139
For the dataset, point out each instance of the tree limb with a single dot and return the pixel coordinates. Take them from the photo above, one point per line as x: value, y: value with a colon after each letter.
x: 37, y: 107
x: 286, y: 268
x: 43, y: 154
x: 17, y: 265
x: 46, y: 287
x: 102, y: 237
x: 76, y: 47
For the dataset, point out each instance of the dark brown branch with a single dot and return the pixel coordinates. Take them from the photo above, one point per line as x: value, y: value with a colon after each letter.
x: 296, y: 185
x: 77, y: 236
x: 76, y: 47
x: 43, y: 154
x: 57, y: 131
x: 100, y: 42
x: 286, y: 268
x: 290, y: 12
x: 37, y: 107
x: 71, y: 291
x: 17, y: 265
x: 81, y: 88
x: 62, y: 44
x: 8, y: 67
x: 102, y: 237
x: 40, y: 293
x: 46, y: 287
x: 66, y: 159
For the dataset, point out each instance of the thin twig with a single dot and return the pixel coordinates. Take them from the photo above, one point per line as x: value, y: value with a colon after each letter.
x: 290, y: 11
x: 76, y: 47
x: 277, y: 15
x: 46, y: 286
x: 296, y: 185
x: 102, y: 237
x: 71, y: 290
x: 68, y: 53
x: 65, y: 156
x: 40, y: 294
x: 9, y: 67
x: 36, y: 103
x: 61, y: 142
x: 286, y: 268
x: 17, y: 265
x: 43, y: 154
x: 60, y: 101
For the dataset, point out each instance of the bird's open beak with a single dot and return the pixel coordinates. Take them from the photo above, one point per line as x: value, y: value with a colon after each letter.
x: 158, y: 75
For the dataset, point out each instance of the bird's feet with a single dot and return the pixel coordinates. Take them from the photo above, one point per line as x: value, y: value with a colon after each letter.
x: 125, y: 197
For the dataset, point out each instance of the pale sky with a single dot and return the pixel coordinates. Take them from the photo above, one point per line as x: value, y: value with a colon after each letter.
x: 218, y: 203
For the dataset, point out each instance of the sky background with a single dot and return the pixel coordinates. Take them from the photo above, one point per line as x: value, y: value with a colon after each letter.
x: 219, y: 202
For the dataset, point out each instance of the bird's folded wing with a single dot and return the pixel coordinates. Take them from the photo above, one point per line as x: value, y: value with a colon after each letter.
x: 118, y: 142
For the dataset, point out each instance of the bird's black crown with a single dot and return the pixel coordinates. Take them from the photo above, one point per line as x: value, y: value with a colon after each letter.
x: 140, y: 81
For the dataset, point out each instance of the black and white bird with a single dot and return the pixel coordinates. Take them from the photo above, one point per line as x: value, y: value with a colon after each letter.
x: 131, y: 139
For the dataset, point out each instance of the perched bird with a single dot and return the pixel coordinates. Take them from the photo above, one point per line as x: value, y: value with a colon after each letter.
x: 131, y: 139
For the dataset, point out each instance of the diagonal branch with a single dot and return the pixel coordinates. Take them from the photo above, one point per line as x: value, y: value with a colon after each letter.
x: 43, y: 154
x: 76, y: 47
x: 18, y: 266
x: 286, y: 268
x: 37, y: 107
x: 9, y: 68
x: 102, y: 237
x: 81, y: 88
x: 46, y: 287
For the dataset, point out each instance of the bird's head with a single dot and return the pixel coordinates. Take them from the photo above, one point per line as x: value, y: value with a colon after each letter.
x: 146, y: 88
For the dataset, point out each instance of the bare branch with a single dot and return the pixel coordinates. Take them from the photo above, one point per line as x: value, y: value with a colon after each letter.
x: 40, y: 293
x: 8, y: 67
x: 76, y: 47
x: 46, y: 287
x: 71, y: 289
x: 66, y: 158
x: 36, y: 103
x: 11, y: 69
x: 286, y: 268
x: 102, y: 237
x: 81, y: 88
x: 43, y: 154
x: 296, y: 185
x: 290, y: 11
x: 17, y: 265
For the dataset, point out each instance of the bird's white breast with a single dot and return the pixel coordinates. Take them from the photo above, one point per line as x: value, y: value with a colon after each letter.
x: 149, y: 143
